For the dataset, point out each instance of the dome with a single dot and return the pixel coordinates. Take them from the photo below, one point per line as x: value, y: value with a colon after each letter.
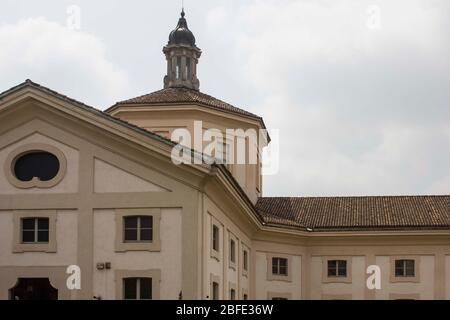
x: 181, y: 34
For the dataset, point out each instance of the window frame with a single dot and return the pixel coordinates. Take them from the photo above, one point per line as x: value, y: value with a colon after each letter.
x: 416, y: 278
x: 19, y: 246
x: 35, y: 230
x: 336, y: 279
x: 215, y: 254
x: 138, y: 287
x: 337, y: 268
x: 154, y: 274
x: 34, y: 183
x: 270, y: 256
x: 138, y: 228
x: 232, y: 238
x: 154, y: 245
x: 245, y: 261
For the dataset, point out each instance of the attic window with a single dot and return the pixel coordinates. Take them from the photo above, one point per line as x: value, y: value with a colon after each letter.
x: 35, y: 166
x: 40, y: 165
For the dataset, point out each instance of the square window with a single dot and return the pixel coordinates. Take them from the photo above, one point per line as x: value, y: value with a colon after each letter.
x: 405, y: 268
x: 35, y: 230
x: 337, y: 268
x: 280, y: 266
x: 138, y: 228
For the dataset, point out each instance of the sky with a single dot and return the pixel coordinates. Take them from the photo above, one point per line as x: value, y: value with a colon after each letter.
x: 359, y: 90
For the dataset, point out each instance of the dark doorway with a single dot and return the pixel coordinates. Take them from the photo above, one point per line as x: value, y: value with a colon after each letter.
x: 33, y: 289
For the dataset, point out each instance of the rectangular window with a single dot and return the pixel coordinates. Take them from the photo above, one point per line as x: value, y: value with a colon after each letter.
x: 215, y: 291
x: 245, y: 260
x: 337, y: 268
x: 138, y: 229
x: 404, y: 268
x: 232, y: 251
x: 215, y: 237
x: 178, y: 68
x: 188, y: 69
x: 137, y: 288
x: 280, y: 266
x: 245, y: 297
x: 35, y: 230
x: 232, y: 294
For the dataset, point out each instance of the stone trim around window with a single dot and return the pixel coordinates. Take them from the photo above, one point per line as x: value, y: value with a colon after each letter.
x: 232, y: 286
x: 35, y: 182
x: 215, y: 254
x: 155, y: 274
x: 404, y: 296
x: 244, y: 291
x: 231, y: 264
x: 213, y: 278
x: 245, y: 248
x: 284, y: 295
x: 327, y: 279
x: 337, y: 296
x: 154, y: 245
x: 19, y: 246
x: 277, y: 277
x: 414, y: 279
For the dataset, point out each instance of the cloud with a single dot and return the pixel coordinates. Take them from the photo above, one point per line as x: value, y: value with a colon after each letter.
x: 72, y: 62
x: 360, y: 110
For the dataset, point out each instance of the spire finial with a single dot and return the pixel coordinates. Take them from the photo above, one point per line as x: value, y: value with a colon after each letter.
x: 182, y: 9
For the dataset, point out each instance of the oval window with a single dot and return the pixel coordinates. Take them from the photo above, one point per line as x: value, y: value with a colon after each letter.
x: 40, y: 164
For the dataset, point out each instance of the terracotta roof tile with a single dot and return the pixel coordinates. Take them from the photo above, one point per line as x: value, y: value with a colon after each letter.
x: 185, y: 95
x: 357, y: 213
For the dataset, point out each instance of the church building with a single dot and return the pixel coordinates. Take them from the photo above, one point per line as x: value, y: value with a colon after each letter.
x: 96, y: 196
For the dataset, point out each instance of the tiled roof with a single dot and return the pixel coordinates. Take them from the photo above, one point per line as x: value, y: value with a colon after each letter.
x: 357, y: 213
x: 185, y: 95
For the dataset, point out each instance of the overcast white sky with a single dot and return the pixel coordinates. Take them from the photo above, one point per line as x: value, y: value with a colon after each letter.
x: 361, y: 110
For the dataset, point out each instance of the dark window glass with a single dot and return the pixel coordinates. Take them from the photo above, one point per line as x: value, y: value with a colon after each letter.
x: 280, y: 266
x: 28, y: 236
x: 145, y: 288
x: 42, y: 236
x: 337, y: 268
x: 215, y: 289
x: 138, y: 228
x: 40, y: 164
x: 130, y: 288
x: 28, y: 224
x: 43, y: 224
x: 232, y: 251
x: 232, y: 294
x: 146, y: 228
x: 131, y: 222
x: 35, y: 230
x: 245, y: 260
x: 279, y: 298
x: 404, y: 268
x: 130, y: 234
x: 245, y: 297
x: 215, y: 237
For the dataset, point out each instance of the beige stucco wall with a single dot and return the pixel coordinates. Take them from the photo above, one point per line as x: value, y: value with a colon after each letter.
x: 69, y: 184
x: 264, y: 285
x: 424, y: 289
x: 165, y: 122
x: 218, y: 265
x: 168, y: 260
x: 356, y: 288
x: 66, y: 243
